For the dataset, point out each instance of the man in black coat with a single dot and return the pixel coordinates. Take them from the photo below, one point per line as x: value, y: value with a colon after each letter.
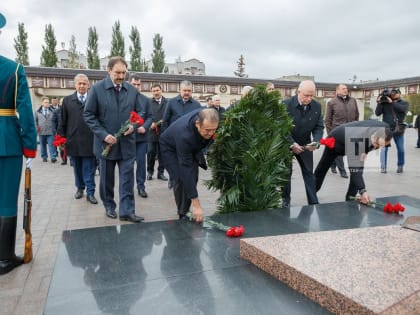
x: 141, y: 137
x: 308, y: 127
x: 182, y: 150
x: 158, y: 105
x: 177, y: 107
x: 354, y: 139
x: 79, y: 145
x: 108, y: 106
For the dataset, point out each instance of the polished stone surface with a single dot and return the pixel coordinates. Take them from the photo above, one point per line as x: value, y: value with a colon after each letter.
x: 178, y: 267
x: 352, y: 271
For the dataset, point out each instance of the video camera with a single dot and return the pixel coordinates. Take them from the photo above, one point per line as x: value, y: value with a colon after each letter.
x: 383, y: 96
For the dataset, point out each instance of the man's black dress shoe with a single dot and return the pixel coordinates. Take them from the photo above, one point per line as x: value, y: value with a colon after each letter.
x: 9, y: 264
x: 78, y: 194
x: 111, y: 213
x: 162, y: 177
x: 285, y: 205
x: 142, y: 193
x: 344, y: 175
x: 149, y: 176
x: 131, y: 217
x: 334, y: 170
x: 91, y: 199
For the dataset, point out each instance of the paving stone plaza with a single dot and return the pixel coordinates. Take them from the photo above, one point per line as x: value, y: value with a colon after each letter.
x: 86, y: 263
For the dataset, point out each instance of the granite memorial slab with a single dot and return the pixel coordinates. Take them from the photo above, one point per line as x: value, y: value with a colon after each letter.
x: 374, y: 270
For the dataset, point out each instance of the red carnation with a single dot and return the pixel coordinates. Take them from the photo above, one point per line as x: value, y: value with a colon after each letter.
x: 328, y: 142
x: 388, y: 207
x: 398, y: 207
x: 135, y: 118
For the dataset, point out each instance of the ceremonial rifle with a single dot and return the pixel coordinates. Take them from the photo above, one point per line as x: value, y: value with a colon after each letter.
x: 27, y: 257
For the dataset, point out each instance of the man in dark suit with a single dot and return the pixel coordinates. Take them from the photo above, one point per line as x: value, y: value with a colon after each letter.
x: 108, y: 106
x: 141, y: 137
x: 179, y: 106
x: 79, y: 145
x: 18, y: 138
x: 158, y: 105
x: 182, y: 150
x: 308, y: 127
x: 354, y: 139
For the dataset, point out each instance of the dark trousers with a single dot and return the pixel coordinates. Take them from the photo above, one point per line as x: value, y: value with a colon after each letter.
x: 327, y: 158
x: 153, y: 151
x: 418, y: 138
x: 84, y: 173
x: 126, y: 184
x: 141, y: 150
x: 182, y: 201
x: 339, y: 163
x: 306, y: 164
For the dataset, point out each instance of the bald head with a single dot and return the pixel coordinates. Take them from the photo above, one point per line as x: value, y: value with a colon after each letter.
x: 306, y: 91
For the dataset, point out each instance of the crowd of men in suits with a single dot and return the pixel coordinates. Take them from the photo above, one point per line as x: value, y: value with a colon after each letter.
x: 91, y: 116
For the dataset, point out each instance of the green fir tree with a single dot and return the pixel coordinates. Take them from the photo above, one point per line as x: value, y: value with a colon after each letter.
x: 158, y: 55
x: 135, y: 50
x: 92, y: 49
x: 250, y: 157
x: 117, y: 42
x: 21, y: 46
x: 240, y: 72
x: 48, y: 55
x: 73, y: 54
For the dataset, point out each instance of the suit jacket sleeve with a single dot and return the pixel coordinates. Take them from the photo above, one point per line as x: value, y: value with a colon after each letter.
x: 187, y: 167
x: 318, y: 131
x: 328, y: 116
x: 26, y: 116
x: 90, y: 115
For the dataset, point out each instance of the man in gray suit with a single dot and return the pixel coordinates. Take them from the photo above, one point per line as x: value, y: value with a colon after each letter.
x: 108, y: 106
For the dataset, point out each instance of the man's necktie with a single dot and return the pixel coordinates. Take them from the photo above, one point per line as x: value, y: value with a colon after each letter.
x: 82, y: 99
x: 117, y: 88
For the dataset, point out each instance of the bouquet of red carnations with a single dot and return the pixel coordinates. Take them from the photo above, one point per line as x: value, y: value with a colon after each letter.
x: 231, y: 231
x: 134, y: 119
x: 59, y: 141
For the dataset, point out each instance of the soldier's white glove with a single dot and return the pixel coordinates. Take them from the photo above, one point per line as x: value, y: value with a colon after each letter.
x: 29, y: 162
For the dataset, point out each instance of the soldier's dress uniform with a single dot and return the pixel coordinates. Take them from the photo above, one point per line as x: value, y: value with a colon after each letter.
x: 17, y: 138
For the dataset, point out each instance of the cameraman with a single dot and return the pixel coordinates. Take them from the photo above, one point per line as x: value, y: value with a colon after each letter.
x: 393, y: 110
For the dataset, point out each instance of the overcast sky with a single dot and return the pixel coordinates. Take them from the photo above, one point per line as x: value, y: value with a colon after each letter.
x: 331, y: 40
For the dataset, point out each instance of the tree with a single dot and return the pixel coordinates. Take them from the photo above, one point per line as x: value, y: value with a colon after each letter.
x: 135, y: 50
x: 92, y: 49
x: 117, y: 42
x: 21, y: 45
x: 73, y: 55
x: 158, y: 55
x: 144, y: 65
x: 240, y: 72
x: 414, y: 106
x: 48, y: 55
x: 250, y: 158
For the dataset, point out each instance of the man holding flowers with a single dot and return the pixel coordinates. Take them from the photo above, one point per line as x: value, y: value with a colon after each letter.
x: 79, y: 145
x: 108, y: 107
